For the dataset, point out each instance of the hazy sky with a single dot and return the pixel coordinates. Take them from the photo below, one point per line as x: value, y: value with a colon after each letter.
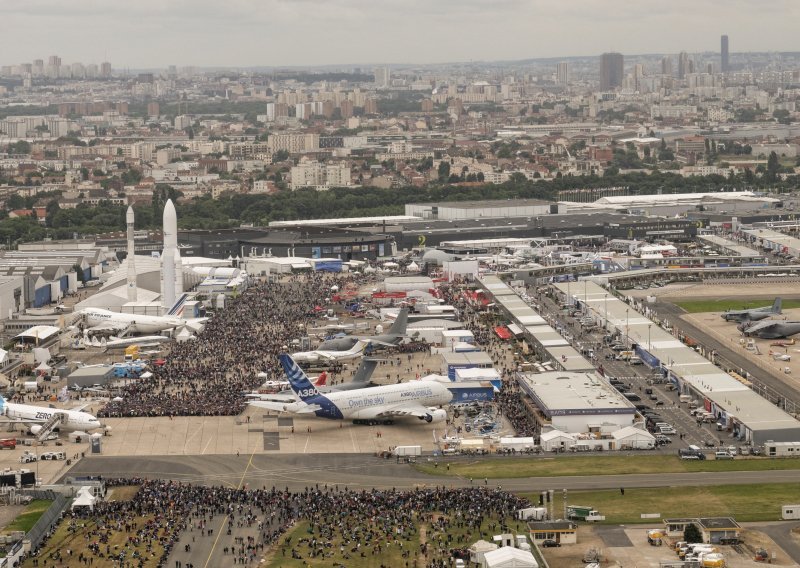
x: 156, y: 33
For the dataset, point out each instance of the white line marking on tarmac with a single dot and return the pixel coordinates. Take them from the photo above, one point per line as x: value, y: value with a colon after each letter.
x: 207, y: 444
x: 305, y: 448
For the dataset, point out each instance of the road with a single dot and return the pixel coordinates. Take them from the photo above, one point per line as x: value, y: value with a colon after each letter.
x: 297, y: 472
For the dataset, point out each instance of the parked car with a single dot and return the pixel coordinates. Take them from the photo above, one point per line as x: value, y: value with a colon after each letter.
x: 8, y: 443
x: 550, y: 543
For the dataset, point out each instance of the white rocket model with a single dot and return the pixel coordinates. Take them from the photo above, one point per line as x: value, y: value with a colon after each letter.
x: 132, y: 292
x: 168, y: 256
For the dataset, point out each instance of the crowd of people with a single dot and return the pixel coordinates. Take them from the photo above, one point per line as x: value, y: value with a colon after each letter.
x: 209, y: 375
x: 341, y: 523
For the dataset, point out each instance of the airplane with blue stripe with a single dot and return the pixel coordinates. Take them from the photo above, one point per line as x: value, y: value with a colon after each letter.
x: 372, y: 405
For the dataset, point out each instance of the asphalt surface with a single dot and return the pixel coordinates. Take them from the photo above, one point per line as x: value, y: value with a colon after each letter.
x: 781, y: 533
x: 297, y: 472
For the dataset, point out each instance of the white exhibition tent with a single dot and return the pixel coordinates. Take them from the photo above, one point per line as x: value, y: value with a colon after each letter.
x: 509, y: 557
x: 84, y: 499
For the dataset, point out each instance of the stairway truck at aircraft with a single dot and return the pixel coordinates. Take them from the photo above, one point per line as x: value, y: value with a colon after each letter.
x: 756, y: 314
x: 97, y: 319
x: 39, y: 418
x: 375, y: 405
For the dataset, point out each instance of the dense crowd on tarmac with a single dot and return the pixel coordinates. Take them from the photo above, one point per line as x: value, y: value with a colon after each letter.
x: 209, y: 375
x: 342, y: 523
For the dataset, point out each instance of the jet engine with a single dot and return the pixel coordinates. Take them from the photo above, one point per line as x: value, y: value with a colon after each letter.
x: 35, y: 429
x: 435, y: 415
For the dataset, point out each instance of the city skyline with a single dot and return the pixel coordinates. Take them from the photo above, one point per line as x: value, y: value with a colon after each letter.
x: 245, y: 33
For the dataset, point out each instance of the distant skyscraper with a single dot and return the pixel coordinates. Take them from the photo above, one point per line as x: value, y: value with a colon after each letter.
x: 562, y: 73
x: 105, y: 69
x: 382, y: 76
x: 611, y: 70
x: 666, y: 65
x: 725, y: 63
x: 684, y: 65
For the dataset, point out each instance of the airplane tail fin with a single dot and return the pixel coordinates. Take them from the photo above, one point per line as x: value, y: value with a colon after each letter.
x: 322, y: 380
x: 365, y: 370
x: 776, y: 307
x: 400, y: 324
x: 177, y: 308
x: 298, y: 380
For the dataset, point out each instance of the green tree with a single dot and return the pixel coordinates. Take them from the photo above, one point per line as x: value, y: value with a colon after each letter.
x: 16, y: 201
x: 280, y: 156
x: 772, y: 166
x: 692, y: 534
x: 444, y: 171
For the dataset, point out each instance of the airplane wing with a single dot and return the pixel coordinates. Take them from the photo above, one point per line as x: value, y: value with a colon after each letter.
x: 762, y: 326
x: 399, y: 409
x: 81, y: 407
x: 285, y: 406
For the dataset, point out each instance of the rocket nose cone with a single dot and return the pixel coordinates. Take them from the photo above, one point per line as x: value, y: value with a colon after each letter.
x: 169, y: 212
x: 129, y: 215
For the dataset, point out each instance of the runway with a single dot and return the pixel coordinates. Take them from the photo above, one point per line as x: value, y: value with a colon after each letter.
x: 296, y: 472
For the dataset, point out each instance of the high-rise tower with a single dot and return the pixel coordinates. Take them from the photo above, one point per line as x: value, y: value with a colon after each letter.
x: 611, y: 70
x: 725, y: 64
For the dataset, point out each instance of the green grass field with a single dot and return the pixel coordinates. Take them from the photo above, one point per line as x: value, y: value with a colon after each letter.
x: 462, y: 537
x: 597, y: 465
x: 746, y: 503
x: 721, y: 305
x: 25, y: 520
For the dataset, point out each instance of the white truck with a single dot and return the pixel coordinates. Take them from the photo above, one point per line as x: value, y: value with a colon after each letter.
x: 409, y: 453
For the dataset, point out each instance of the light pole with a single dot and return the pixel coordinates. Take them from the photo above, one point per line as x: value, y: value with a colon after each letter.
x: 649, y: 325
x: 605, y: 311
x: 627, y: 335
x: 585, y: 296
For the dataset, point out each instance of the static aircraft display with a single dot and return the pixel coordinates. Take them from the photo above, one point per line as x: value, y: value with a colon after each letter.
x: 375, y: 405
x: 756, y: 314
x: 117, y: 343
x: 393, y: 337
x: 325, y: 356
x: 360, y: 380
x: 771, y: 329
x: 270, y: 389
x: 36, y: 416
x: 97, y: 319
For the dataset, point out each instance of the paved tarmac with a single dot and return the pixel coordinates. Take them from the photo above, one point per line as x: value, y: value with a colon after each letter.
x: 359, y: 471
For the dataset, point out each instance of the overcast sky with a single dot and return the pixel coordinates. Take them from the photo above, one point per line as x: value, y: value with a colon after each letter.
x: 157, y: 33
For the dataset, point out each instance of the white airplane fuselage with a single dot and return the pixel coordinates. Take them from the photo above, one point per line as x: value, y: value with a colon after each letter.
x: 365, y: 402
x: 135, y: 323
x: 76, y: 420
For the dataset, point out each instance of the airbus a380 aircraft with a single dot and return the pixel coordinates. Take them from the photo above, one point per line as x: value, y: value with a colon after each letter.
x: 364, y: 406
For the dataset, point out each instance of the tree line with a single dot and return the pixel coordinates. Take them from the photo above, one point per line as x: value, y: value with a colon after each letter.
x: 233, y: 209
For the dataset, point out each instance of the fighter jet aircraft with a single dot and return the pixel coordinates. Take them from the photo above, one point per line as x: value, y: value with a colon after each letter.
x: 755, y: 314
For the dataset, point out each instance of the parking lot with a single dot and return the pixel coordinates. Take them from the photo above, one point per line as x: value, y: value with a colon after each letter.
x: 621, y: 546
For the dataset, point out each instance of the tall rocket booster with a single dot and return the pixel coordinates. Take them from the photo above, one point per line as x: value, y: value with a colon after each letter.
x: 132, y: 292
x: 168, y: 256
